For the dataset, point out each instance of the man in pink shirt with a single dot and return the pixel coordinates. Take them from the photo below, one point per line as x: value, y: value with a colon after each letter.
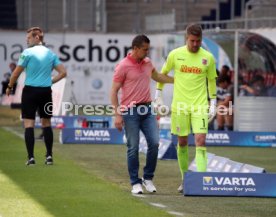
x: 135, y: 112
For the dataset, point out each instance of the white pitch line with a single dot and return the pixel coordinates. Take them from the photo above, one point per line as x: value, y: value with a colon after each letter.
x: 14, y: 132
x: 139, y: 195
x: 176, y: 213
x: 158, y: 205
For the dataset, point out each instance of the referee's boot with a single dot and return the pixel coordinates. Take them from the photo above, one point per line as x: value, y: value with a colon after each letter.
x: 49, y: 160
x: 30, y: 162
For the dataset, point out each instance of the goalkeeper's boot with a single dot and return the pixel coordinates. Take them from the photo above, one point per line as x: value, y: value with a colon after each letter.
x: 30, y: 162
x: 180, y: 188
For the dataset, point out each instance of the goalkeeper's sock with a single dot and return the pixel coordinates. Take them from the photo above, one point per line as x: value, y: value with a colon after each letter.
x: 182, y: 157
x: 201, y: 159
x: 48, y: 139
x: 29, y: 141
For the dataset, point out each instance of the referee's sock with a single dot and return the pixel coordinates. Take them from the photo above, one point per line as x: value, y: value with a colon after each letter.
x: 201, y: 159
x: 182, y: 158
x: 29, y: 141
x: 48, y: 139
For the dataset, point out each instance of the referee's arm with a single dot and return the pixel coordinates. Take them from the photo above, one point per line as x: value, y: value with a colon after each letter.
x: 61, y: 73
x: 15, y: 74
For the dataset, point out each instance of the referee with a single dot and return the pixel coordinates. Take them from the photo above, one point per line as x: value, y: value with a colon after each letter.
x: 38, y: 62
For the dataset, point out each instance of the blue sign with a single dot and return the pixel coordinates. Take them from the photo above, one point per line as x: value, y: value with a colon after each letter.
x: 229, y: 184
x: 229, y: 138
x: 91, y: 136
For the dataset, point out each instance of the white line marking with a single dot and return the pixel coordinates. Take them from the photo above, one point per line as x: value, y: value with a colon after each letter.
x: 139, y: 195
x: 14, y: 132
x: 158, y: 205
x: 176, y: 213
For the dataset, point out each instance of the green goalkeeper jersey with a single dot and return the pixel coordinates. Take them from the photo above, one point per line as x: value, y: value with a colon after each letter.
x: 191, y: 71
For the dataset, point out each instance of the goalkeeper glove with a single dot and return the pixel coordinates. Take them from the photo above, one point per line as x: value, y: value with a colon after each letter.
x: 212, y: 110
x: 158, y: 100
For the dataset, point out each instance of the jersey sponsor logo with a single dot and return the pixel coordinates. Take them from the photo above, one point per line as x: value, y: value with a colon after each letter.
x: 240, y: 181
x: 193, y: 69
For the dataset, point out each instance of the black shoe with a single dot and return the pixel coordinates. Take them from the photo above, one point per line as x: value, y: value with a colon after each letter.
x: 30, y: 162
x: 49, y: 160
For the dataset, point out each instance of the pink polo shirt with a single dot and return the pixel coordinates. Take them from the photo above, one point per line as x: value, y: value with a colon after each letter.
x: 135, y: 78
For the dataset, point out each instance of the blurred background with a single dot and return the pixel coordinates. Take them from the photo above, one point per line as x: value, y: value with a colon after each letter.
x: 135, y: 16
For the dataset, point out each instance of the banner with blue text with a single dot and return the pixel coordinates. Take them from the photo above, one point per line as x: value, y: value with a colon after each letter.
x: 229, y: 184
x: 232, y: 138
x: 91, y: 136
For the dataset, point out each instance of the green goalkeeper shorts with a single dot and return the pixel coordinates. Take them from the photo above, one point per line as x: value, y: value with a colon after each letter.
x: 182, y: 123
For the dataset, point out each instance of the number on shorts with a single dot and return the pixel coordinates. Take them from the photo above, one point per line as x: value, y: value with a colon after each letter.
x: 203, y: 122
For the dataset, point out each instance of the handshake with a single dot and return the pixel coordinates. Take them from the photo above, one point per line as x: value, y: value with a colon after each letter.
x: 159, y: 108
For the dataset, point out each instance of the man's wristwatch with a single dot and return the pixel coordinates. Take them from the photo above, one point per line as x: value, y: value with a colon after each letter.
x: 9, y: 87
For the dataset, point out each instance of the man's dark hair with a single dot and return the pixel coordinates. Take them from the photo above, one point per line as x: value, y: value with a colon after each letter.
x: 223, y: 78
x: 139, y: 40
x: 36, y: 31
x: 194, y: 29
x: 226, y: 67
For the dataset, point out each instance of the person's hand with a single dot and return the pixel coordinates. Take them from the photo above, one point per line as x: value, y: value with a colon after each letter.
x: 212, y: 110
x: 8, y: 91
x: 119, y: 122
x: 158, y: 100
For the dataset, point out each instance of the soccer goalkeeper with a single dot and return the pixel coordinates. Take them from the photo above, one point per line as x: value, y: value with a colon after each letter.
x: 192, y: 66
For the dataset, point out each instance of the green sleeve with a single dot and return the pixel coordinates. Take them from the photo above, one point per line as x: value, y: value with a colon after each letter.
x: 212, y: 72
x: 212, y: 88
x: 167, y: 67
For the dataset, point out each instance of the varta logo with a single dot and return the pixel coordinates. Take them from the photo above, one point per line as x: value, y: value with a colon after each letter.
x: 223, y: 136
x: 240, y: 181
x: 78, y: 133
x: 57, y: 120
x: 102, y: 133
x: 265, y: 138
x: 92, y: 133
x: 207, y: 180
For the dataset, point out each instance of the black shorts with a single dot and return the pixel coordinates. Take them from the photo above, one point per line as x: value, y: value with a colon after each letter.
x: 36, y: 99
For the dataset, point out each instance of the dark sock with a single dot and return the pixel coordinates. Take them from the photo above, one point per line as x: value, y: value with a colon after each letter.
x: 230, y: 128
x: 29, y: 141
x: 220, y: 128
x: 48, y: 139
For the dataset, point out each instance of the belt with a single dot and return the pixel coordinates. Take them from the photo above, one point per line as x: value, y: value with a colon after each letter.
x: 143, y: 103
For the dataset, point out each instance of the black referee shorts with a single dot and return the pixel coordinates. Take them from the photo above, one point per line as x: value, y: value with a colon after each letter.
x: 36, y: 99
